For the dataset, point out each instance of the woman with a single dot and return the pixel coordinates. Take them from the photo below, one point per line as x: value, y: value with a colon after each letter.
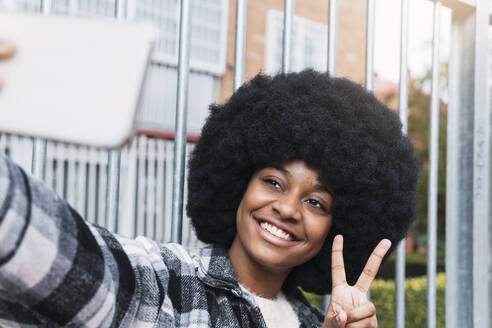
x: 281, y: 171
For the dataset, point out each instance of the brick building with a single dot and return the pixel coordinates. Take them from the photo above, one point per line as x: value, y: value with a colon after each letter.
x: 263, y: 39
x: 212, y: 46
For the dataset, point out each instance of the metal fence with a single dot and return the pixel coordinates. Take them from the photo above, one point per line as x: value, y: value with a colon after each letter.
x: 79, y: 174
x: 144, y: 169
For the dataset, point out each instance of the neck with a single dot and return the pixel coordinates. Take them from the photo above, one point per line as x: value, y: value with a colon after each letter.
x: 256, y: 277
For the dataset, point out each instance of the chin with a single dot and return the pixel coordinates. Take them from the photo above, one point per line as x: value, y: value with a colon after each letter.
x: 275, y: 258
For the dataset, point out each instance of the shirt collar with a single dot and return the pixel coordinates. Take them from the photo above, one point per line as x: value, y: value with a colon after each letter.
x: 214, y: 268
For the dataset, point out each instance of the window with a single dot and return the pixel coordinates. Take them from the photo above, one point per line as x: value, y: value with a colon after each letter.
x: 309, y: 46
x: 208, y: 25
x: 158, y: 107
x: 21, y: 5
x: 208, y: 31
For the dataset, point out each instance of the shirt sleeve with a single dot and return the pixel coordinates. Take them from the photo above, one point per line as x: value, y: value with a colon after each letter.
x: 57, y: 270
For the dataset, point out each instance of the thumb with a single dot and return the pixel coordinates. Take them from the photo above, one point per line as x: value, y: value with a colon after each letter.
x: 7, y: 48
x: 337, y: 321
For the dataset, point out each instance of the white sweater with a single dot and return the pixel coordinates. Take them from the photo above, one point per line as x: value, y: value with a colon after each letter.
x: 277, y: 312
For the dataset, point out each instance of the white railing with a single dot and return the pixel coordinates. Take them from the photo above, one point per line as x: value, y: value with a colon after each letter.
x: 80, y: 174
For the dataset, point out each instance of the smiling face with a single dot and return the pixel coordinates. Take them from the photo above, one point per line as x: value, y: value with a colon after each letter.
x: 283, y: 218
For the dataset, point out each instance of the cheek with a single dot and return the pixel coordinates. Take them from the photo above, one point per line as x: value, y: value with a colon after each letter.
x: 246, y: 207
x: 254, y: 198
x: 318, y: 230
x: 240, y: 214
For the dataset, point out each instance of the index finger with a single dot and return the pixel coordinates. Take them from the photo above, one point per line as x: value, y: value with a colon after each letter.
x: 372, y: 266
x: 337, y: 266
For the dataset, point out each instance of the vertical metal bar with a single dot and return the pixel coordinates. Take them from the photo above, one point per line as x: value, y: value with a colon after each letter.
x: 186, y: 221
x: 81, y: 202
x: 142, y: 186
x: 481, y: 168
x: 331, y: 65
x: 400, y: 286
x: 160, y: 196
x: 369, y: 83
x: 4, y: 144
x: 181, y: 112
x: 130, y: 191
x: 112, y: 190
x: 46, y: 6
x: 189, y: 228
x: 114, y: 165
x: 370, y: 35
x: 168, y: 191
x: 433, y: 173
x: 287, y: 36
x: 126, y: 213
x: 403, y: 89
x: 120, y: 8
x: 102, y: 185
x: 39, y: 158
x: 60, y: 168
x: 240, y: 41
x: 151, y: 189
x: 92, y: 187
x: 49, y: 165
x: 70, y: 192
x: 459, y: 172
x: 332, y: 36
x: 38, y: 167
x: 403, y: 113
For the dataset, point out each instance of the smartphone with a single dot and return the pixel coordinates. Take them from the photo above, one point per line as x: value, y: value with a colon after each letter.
x: 76, y: 80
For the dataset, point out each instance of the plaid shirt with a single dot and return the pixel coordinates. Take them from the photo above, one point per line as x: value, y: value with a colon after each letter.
x: 57, y: 270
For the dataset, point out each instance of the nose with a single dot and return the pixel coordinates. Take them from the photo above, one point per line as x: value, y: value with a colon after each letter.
x: 288, y: 206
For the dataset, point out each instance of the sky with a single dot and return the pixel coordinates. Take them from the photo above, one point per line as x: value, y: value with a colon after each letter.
x: 387, y: 37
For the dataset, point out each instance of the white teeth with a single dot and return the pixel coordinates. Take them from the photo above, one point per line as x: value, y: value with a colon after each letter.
x: 276, y: 231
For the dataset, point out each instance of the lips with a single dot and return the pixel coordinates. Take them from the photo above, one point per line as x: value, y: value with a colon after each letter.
x: 277, y: 229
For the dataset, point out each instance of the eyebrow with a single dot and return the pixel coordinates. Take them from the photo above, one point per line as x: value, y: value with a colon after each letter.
x: 323, y: 188
x: 281, y: 169
x: 318, y: 187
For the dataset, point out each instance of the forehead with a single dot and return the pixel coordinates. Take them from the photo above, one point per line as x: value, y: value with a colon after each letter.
x: 300, y: 170
x: 295, y: 168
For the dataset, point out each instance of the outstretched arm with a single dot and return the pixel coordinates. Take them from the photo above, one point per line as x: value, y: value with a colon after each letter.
x: 55, y: 269
x: 349, y: 306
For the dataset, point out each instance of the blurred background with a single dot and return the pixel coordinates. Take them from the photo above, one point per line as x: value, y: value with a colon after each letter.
x: 80, y: 174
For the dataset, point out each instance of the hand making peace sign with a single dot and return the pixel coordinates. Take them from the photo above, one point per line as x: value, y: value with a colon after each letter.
x: 349, y: 306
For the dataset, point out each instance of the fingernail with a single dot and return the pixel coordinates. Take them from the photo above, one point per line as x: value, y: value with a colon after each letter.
x: 337, y: 318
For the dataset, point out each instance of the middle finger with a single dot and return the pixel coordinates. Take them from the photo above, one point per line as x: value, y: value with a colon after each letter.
x: 372, y: 266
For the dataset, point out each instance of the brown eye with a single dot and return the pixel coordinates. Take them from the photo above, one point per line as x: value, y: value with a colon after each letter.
x: 315, y: 203
x: 272, y: 182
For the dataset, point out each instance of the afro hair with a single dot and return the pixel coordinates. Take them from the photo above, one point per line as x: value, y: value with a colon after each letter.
x: 334, y: 126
